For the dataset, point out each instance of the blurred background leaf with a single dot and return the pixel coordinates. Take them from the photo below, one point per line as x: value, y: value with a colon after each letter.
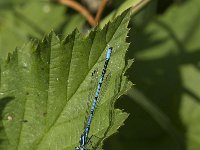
x: 25, y: 20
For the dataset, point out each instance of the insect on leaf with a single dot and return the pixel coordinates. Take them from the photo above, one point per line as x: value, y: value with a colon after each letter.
x: 48, y: 82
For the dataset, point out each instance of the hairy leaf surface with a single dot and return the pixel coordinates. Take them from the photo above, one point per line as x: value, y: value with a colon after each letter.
x: 44, y: 89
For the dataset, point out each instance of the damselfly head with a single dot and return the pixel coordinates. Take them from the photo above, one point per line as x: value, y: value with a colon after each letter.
x: 110, y: 49
x: 77, y: 148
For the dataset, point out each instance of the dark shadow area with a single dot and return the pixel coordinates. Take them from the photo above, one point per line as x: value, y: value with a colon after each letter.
x: 3, y: 102
x: 164, y: 4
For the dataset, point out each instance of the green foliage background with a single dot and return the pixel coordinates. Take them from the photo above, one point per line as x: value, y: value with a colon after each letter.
x: 164, y: 104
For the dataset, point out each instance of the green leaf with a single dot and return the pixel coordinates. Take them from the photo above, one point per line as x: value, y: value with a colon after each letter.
x: 48, y: 83
x: 27, y: 20
x: 190, y: 108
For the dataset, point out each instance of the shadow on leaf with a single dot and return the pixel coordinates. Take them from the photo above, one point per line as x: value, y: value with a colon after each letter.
x: 3, y: 102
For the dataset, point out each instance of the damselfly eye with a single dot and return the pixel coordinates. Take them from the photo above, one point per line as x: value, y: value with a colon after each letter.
x: 77, y: 148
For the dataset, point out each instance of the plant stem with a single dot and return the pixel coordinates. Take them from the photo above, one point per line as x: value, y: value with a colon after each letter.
x: 135, y: 8
x: 76, y: 6
x: 100, y: 10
